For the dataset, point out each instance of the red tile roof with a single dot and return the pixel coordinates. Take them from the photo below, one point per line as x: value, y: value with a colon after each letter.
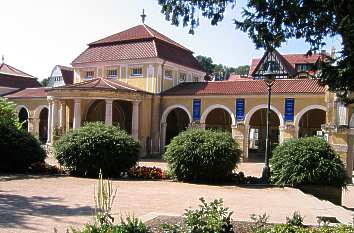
x: 291, y: 59
x: 137, y: 43
x: 139, y: 32
x: 10, y: 70
x: 247, y: 87
x: 38, y: 92
x: 68, y: 74
x: 116, y: 52
x: 14, y: 78
x: 99, y: 84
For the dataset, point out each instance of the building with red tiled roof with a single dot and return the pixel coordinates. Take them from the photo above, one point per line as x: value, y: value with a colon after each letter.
x: 13, y: 79
x: 154, y: 88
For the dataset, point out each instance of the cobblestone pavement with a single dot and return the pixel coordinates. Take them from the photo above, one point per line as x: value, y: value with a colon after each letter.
x: 40, y: 203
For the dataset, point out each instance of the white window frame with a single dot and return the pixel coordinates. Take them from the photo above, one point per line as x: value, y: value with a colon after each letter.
x: 89, y: 77
x: 180, y: 76
x: 132, y: 74
x: 169, y: 77
x: 112, y: 70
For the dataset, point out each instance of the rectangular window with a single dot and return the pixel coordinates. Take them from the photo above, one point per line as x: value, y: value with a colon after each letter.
x: 137, y: 72
x: 195, y: 79
x: 168, y: 74
x: 182, y: 78
x: 112, y: 73
x: 89, y: 74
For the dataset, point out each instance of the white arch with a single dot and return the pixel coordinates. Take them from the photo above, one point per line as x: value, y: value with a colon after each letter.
x: 170, y: 108
x: 215, y: 106
x: 19, y: 107
x: 263, y: 106
x: 306, y: 109
x: 38, y: 110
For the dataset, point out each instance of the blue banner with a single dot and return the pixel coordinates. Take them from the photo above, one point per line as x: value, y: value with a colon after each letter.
x: 289, y: 109
x: 240, y: 109
x: 196, y: 109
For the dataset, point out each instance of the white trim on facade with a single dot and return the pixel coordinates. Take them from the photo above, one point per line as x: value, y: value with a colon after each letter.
x: 263, y: 106
x: 172, y: 107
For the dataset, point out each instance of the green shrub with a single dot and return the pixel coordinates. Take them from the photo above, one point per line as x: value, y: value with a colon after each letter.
x: 296, y: 220
x: 285, y: 228
x: 308, y: 160
x: 209, y: 218
x: 18, y: 149
x: 202, y: 155
x: 84, y: 151
x: 130, y: 225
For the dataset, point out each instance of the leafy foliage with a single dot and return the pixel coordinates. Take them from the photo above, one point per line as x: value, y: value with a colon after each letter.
x: 308, y: 160
x: 8, y: 115
x: 286, y: 228
x: 270, y: 23
x: 19, y: 149
x: 219, y: 71
x: 202, y: 155
x: 296, y: 220
x: 259, y: 221
x: 209, y: 218
x: 84, y: 151
x: 130, y: 225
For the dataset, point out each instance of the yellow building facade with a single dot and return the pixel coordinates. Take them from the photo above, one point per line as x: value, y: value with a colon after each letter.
x: 154, y: 88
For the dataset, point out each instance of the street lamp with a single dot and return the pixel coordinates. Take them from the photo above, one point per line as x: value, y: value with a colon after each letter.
x: 269, y: 77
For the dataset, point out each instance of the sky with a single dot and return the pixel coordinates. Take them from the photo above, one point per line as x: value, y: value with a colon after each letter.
x: 36, y: 35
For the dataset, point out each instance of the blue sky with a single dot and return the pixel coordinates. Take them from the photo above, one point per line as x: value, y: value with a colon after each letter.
x: 36, y: 35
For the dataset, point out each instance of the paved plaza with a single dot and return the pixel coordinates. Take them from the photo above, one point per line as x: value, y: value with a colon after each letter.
x: 38, y: 204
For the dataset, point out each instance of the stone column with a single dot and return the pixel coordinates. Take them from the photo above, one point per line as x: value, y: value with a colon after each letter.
x: 135, y: 120
x: 108, y: 116
x: 62, y: 122
x: 55, y: 113
x: 163, y: 136
x: 50, y: 113
x: 77, y: 114
x: 350, y: 154
x: 246, y: 142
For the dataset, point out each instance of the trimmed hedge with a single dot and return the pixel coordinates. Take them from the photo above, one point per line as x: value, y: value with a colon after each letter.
x: 304, y: 161
x: 202, y: 155
x: 95, y: 146
x: 19, y: 149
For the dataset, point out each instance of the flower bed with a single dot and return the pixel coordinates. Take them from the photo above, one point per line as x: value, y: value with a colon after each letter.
x: 144, y: 172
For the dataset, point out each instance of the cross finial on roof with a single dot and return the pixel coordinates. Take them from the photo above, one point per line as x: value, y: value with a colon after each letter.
x: 2, y: 59
x: 143, y: 16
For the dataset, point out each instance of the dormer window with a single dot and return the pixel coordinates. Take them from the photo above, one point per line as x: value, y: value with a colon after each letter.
x: 137, y: 72
x: 168, y: 74
x: 89, y: 74
x: 303, y: 67
x: 182, y: 77
x: 195, y: 79
x: 112, y: 73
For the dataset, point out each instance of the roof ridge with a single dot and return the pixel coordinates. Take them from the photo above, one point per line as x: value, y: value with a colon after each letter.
x: 124, y: 86
x: 146, y: 27
x: 17, y: 72
x: 108, y: 83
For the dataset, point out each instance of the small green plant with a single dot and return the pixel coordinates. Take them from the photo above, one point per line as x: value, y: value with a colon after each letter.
x: 209, y: 218
x: 104, y: 198
x: 133, y: 225
x: 296, y: 220
x: 259, y: 221
x: 171, y: 228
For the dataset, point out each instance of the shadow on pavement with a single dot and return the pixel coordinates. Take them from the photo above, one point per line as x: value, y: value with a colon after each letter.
x: 15, y: 210
x: 11, y: 177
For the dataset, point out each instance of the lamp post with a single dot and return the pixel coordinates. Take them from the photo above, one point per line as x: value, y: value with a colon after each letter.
x: 269, y: 77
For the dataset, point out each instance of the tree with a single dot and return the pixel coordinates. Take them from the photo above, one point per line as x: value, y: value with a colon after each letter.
x: 207, y: 64
x: 8, y: 115
x: 44, y: 82
x: 269, y: 23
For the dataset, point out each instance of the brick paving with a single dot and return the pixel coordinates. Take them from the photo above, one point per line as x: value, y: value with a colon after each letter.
x: 40, y: 203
